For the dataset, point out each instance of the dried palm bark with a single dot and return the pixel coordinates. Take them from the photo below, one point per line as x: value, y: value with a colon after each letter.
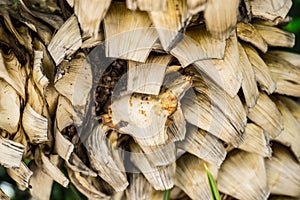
x: 199, y: 111
x: 198, y: 44
x: 221, y: 17
x: 248, y: 33
x: 3, y: 195
x: 283, y: 173
x: 89, y: 22
x: 60, y: 46
x: 196, y: 6
x: 133, y: 98
x: 189, y: 167
x: 292, y: 105
x: 128, y: 36
x: 287, y: 79
x: 147, y: 77
x: 249, y: 87
x: 293, y: 58
x: 275, y: 36
x: 84, y: 185
x: 203, y: 145
x: 262, y: 72
x: 256, y: 141
x: 160, y: 177
x: 235, y: 172
x: 271, y: 123
x: 49, y: 167
x: 10, y: 104
x: 35, y: 125
x: 225, y: 72
x: 147, y: 5
x: 21, y: 175
x: 105, y: 159
x: 74, y: 81
x: 289, y: 134
x: 11, y: 153
x: 139, y: 187
x: 277, y: 10
x: 13, y: 72
x: 170, y: 23
x: 40, y: 178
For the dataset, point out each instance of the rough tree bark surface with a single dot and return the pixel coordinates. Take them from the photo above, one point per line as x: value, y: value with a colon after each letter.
x: 131, y: 98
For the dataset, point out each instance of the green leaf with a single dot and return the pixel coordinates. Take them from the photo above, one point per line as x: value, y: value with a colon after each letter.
x: 26, y: 161
x: 293, y: 26
x: 75, y: 193
x: 167, y: 194
x: 212, y: 185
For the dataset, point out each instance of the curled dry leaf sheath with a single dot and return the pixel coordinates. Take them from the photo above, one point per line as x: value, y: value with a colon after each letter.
x: 132, y: 98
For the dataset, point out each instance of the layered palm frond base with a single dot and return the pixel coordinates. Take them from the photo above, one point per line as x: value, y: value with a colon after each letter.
x: 127, y: 99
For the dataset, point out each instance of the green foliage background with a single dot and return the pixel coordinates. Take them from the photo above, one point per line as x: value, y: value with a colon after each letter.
x: 294, y: 25
x: 58, y: 192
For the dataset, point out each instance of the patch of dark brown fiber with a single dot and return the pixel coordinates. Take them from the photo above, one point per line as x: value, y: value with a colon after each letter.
x: 70, y: 132
x: 107, y: 83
